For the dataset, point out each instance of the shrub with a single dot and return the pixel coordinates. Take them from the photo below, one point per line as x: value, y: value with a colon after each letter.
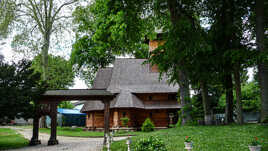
x: 124, y: 121
x: 147, y: 126
x: 152, y: 143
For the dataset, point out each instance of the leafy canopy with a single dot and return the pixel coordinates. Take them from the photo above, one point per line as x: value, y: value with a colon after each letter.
x: 60, y: 73
x: 19, y: 88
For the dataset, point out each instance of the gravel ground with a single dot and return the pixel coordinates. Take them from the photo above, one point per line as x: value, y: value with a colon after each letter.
x: 65, y: 143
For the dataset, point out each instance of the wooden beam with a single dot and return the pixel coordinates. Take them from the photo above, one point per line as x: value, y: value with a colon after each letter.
x: 53, y: 131
x: 106, y: 120
x: 34, y: 139
x: 116, y: 118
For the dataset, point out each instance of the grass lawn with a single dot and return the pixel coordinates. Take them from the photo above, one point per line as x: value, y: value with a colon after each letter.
x: 207, y: 138
x: 10, y: 139
x: 78, y: 132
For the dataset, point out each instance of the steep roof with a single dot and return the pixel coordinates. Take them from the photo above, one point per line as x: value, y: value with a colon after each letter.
x: 134, y: 76
x: 127, y: 78
x: 103, y: 78
x: 122, y: 100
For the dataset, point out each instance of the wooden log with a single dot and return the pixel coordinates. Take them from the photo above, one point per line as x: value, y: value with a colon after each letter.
x: 53, y: 131
x: 34, y: 139
x: 106, y: 120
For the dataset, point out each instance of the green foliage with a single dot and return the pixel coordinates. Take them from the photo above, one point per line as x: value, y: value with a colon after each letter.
x: 107, y: 29
x: 19, y: 88
x: 147, y: 125
x: 60, y: 74
x: 178, y: 124
x: 250, y: 98
x: 152, y: 143
x: 188, y: 139
x: 255, y: 142
x: 124, y: 121
x: 66, y: 105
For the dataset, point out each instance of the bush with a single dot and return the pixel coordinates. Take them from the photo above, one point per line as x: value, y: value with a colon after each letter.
x: 124, y: 121
x: 152, y: 143
x: 147, y: 126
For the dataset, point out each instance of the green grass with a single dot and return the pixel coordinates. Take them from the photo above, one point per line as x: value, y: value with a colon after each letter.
x: 78, y: 132
x: 207, y: 138
x: 9, y: 139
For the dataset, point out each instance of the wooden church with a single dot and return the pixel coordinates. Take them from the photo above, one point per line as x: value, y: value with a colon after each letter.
x: 139, y: 95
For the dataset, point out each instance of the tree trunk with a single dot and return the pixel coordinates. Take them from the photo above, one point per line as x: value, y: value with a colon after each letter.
x: 183, y: 81
x: 229, y: 99
x: 208, y: 114
x: 44, y: 63
x: 44, y: 53
x: 262, y: 67
x: 238, y: 94
x: 184, y: 98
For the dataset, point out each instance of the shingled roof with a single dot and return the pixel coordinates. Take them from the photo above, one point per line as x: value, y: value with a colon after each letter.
x: 134, y: 76
x: 127, y: 78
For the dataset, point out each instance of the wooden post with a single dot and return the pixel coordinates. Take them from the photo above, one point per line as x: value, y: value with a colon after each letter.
x: 34, y: 139
x: 116, y: 119
x: 106, y: 120
x: 53, y: 130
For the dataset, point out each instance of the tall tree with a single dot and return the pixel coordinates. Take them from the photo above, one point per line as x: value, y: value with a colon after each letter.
x: 19, y: 88
x: 104, y: 32
x: 35, y: 23
x: 262, y: 67
x: 230, y: 47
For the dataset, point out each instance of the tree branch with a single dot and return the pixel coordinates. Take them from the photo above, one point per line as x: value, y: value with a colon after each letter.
x: 58, y: 10
x: 35, y: 17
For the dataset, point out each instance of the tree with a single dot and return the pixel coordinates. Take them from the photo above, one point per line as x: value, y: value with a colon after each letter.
x: 7, y: 14
x: 19, y: 88
x: 60, y: 74
x: 35, y: 23
x: 101, y: 35
x: 231, y: 46
x: 262, y: 66
x: 66, y: 105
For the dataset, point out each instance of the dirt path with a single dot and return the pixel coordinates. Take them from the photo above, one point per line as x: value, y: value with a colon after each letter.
x: 65, y: 143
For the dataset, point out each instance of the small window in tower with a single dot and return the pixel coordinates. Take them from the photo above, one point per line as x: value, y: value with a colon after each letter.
x: 172, y: 97
x: 124, y: 114
x: 150, y: 98
x: 151, y: 115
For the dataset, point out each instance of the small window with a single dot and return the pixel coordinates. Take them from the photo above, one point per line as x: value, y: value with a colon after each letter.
x: 150, y: 98
x: 124, y: 114
x: 151, y: 115
x: 172, y: 97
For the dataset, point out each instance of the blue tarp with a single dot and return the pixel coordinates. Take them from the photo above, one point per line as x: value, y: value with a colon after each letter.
x: 69, y: 117
x: 69, y: 111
